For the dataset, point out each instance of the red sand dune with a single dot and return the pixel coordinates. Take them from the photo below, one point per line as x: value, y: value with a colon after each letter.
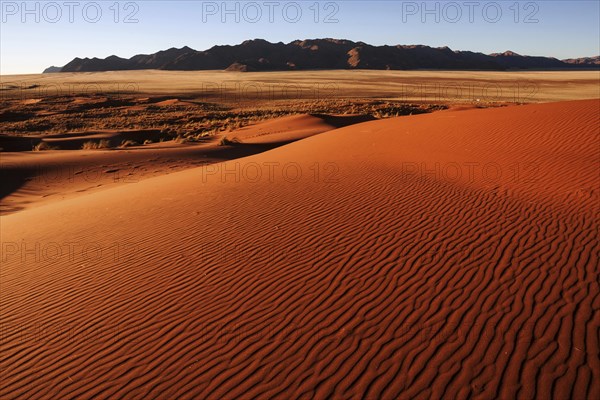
x: 345, y: 265
x: 292, y: 128
x: 33, y: 178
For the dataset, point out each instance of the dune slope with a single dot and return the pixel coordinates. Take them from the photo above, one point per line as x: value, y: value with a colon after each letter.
x: 445, y: 255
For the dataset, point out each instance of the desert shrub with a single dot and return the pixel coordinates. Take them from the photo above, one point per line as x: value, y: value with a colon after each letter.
x: 41, y: 146
x: 228, y: 142
x: 92, y: 145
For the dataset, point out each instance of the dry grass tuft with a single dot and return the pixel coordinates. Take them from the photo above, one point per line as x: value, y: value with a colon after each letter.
x: 128, y: 143
x: 42, y: 146
x: 92, y: 145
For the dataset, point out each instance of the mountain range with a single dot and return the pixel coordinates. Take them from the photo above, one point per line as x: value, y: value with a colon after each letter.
x: 261, y: 55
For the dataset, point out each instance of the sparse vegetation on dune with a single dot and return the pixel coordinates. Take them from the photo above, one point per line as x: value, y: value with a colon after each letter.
x: 182, y: 121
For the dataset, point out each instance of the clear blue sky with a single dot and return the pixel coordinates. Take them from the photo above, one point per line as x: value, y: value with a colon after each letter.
x: 561, y: 29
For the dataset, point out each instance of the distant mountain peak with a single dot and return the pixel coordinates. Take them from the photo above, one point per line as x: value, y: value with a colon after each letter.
x: 509, y: 53
x: 255, y: 41
x: 584, y: 61
x: 52, y: 70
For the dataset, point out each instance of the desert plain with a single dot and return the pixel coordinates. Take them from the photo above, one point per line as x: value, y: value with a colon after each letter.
x: 317, y: 234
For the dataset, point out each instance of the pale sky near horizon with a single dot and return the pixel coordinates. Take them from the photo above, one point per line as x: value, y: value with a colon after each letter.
x: 37, y: 34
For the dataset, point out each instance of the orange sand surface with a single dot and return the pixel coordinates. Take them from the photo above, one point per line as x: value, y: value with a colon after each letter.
x: 453, y: 255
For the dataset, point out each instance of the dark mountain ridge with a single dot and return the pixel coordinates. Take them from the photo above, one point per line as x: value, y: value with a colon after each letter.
x: 311, y: 54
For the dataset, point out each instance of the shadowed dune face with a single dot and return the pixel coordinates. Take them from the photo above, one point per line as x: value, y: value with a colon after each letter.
x: 445, y: 255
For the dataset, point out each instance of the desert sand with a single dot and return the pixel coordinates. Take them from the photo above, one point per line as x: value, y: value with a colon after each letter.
x: 452, y: 254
